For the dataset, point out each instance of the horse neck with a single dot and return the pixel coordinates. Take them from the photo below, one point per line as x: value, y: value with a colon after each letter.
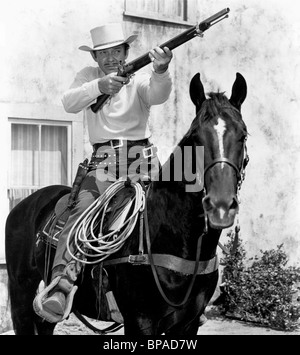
x: 176, y: 221
x: 176, y: 215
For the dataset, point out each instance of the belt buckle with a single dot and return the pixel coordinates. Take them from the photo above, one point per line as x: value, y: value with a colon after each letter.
x: 148, y: 152
x: 137, y: 259
x: 118, y: 145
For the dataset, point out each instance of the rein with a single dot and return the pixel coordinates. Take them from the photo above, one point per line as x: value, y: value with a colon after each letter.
x: 154, y: 271
x: 240, y: 177
x: 171, y: 262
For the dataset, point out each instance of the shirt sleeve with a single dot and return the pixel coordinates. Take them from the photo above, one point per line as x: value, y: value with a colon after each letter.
x: 156, y: 89
x: 82, y: 93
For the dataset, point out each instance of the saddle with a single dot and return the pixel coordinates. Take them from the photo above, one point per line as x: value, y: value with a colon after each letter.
x: 115, y: 216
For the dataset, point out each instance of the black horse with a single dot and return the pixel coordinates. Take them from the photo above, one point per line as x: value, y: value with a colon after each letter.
x: 184, y: 220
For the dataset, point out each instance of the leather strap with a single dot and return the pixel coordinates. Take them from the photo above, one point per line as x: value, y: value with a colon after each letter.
x: 170, y: 262
x: 117, y: 142
x: 110, y: 329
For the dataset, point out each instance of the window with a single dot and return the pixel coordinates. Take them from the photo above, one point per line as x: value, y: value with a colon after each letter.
x: 175, y: 11
x: 39, y: 157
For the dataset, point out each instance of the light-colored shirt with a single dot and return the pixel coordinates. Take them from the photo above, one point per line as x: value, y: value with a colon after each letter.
x: 126, y: 114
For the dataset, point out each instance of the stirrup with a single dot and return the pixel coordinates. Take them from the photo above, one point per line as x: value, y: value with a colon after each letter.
x: 51, y: 317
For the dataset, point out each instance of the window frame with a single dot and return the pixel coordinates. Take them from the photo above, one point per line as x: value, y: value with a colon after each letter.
x: 153, y: 17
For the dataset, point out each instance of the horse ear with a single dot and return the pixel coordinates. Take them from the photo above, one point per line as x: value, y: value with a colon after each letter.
x: 197, y: 92
x: 239, y: 91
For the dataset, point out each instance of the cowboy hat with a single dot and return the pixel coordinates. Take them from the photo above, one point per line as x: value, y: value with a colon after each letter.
x: 107, y: 36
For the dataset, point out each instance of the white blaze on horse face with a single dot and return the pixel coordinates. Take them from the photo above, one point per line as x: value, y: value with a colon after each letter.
x: 220, y: 128
x: 222, y: 213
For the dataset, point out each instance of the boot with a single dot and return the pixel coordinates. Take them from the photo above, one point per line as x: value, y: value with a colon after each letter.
x: 55, y: 303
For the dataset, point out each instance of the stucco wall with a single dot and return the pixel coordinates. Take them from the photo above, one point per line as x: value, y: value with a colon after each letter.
x: 261, y: 40
x: 5, y: 318
x: 39, y: 57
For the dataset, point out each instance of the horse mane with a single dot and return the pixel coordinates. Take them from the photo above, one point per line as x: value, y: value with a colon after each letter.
x: 216, y: 104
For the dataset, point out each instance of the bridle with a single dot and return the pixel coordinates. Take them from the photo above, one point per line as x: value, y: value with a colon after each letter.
x: 240, y: 172
x: 226, y: 161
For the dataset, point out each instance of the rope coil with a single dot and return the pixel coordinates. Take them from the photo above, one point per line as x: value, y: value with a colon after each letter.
x: 101, y: 246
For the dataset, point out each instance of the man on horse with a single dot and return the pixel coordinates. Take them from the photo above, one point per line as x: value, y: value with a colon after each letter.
x: 121, y: 123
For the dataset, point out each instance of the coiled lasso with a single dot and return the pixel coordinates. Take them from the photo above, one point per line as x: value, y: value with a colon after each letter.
x: 102, y: 246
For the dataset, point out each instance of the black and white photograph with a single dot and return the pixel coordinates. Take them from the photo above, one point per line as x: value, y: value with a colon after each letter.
x: 150, y: 179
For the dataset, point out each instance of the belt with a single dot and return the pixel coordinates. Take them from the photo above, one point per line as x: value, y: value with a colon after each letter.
x: 148, y: 151
x: 118, y: 143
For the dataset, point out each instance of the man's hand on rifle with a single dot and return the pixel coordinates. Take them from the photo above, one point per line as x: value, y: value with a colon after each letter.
x: 111, y: 84
x: 160, y: 59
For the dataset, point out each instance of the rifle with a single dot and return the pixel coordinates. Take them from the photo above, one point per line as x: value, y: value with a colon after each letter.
x: 127, y: 70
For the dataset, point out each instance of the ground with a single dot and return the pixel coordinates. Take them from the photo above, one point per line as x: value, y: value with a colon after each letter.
x: 215, y: 325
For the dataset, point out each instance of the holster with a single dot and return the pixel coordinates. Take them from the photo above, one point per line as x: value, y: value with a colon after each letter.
x: 80, y: 175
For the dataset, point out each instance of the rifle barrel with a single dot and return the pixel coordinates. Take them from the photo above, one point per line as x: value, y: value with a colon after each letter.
x: 175, y: 42
x: 218, y: 15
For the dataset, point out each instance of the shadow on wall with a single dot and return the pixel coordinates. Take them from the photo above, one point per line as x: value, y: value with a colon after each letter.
x: 5, y: 316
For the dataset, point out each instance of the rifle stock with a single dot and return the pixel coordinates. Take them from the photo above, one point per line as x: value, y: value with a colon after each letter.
x: 140, y: 62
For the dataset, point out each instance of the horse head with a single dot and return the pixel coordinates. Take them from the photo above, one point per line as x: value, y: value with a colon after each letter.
x: 220, y: 129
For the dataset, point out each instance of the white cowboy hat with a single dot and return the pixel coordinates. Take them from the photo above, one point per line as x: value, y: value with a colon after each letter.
x: 107, y: 36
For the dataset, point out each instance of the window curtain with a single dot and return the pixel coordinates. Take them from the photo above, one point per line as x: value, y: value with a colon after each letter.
x: 53, y: 165
x: 24, y: 155
x: 38, y: 159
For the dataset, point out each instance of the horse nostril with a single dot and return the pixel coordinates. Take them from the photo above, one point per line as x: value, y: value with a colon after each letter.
x: 234, y: 205
x: 207, y: 204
